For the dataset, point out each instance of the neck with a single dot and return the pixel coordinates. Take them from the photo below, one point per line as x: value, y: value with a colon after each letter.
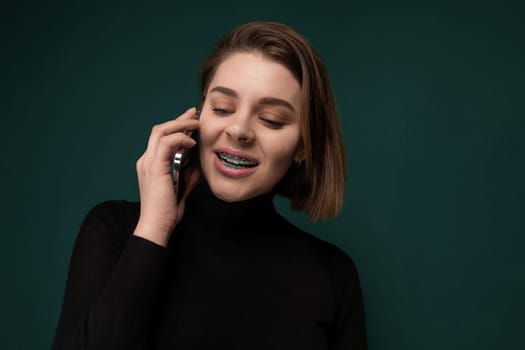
x: 251, y: 215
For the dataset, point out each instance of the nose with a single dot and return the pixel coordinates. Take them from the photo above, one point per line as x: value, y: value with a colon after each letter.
x: 240, y: 129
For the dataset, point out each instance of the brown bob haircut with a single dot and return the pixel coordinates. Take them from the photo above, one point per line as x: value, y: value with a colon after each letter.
x: 317, y: 184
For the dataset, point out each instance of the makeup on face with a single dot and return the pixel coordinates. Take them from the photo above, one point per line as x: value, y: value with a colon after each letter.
x: 249, y: 130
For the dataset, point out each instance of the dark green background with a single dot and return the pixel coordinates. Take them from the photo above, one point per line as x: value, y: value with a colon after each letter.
x: 432, y: 104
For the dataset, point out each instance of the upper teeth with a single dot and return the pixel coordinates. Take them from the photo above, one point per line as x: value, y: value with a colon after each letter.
x: 236, y: 160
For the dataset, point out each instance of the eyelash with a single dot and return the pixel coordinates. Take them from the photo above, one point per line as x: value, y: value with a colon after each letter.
x: 272, y: 123
x: 221, y: 111
x: 269, y: 122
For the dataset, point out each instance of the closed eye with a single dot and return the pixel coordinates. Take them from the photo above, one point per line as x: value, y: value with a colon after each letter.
x: 274, y: 124
x: 221, y: 111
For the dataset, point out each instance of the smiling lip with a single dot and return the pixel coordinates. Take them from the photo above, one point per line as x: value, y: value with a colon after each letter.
x: 233, y: 163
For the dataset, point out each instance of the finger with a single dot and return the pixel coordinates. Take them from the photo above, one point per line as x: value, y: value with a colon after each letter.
x: 160, y: 159
x: 184, y: 122
x: 190, y: 113
x: 169, y: 144
x: 169, y: 128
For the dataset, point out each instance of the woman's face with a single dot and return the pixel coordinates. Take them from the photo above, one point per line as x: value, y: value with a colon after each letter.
x: 249, y: 126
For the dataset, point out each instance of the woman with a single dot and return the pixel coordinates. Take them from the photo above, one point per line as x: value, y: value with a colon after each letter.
x: 219, y: 267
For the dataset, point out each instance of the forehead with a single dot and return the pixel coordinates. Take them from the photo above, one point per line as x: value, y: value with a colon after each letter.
x: 253, y: 74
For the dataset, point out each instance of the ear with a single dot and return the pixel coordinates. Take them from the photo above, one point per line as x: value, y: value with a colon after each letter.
x: 299, y: 154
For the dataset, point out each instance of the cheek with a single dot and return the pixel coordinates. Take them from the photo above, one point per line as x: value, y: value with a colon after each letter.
x: 205, y: 143
x: 284, y: 149
x: 206, y: 133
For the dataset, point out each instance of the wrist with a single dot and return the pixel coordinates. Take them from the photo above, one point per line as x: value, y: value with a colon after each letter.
x: 154, y: 234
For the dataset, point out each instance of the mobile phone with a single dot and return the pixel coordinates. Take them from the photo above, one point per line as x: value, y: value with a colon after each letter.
x: 181, y: 160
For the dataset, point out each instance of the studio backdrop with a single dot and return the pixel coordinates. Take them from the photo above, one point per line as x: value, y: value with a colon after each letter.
x: 430, y: 96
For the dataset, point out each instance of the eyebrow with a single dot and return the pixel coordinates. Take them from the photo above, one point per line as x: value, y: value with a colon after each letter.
x: 273, y: 101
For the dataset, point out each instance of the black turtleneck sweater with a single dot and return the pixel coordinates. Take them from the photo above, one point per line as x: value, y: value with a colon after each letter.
x: 234, y: 276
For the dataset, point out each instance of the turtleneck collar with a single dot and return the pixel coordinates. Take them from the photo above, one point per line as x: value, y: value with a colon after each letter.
x: 252, y: 215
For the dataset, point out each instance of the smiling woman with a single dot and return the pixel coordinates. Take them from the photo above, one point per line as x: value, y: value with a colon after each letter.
x: 251, y: 113
x: 216, y: 266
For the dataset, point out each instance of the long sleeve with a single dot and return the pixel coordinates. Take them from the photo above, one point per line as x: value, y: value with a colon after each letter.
x: 349, y: 332
x: 113, y: 283
x: 227, y: 280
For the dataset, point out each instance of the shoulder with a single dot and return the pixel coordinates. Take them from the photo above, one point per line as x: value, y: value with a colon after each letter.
x: 337, y: 268
x: 328, y: 266
x: 328, y: 254
x: 113, y: 212
x: 109, y: 223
